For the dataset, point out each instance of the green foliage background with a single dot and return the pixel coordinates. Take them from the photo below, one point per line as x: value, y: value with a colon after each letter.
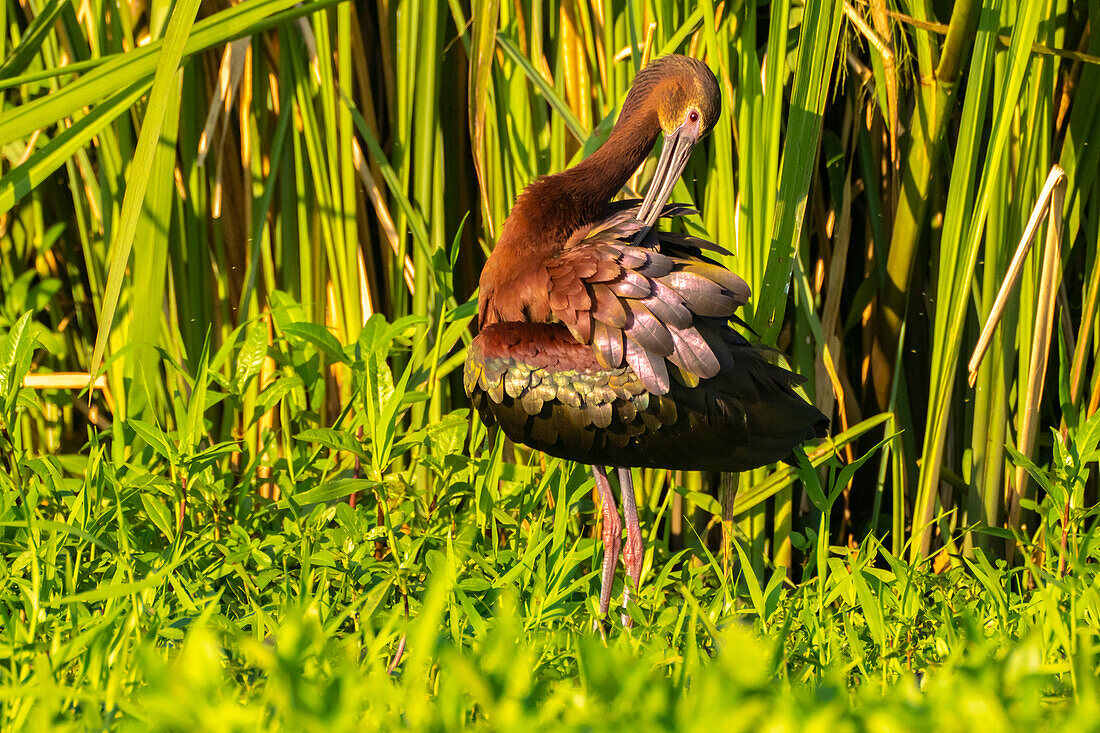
x: 261, y: 225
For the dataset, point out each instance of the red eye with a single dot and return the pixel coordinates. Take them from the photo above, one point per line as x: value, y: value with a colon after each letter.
x: 693, y: 115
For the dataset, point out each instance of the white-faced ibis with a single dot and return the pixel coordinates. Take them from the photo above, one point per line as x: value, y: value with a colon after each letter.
x: 605, y: 341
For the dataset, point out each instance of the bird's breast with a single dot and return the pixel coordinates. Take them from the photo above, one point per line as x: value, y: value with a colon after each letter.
x: 550, y: 392
x: 513, y: 290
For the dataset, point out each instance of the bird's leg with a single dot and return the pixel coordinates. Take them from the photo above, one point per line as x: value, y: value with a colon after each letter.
x: 632, y: 551
x: 612, y: 537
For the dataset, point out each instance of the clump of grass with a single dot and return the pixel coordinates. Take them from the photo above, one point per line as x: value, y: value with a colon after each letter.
x: 362, y: 161
x: 239, y: 613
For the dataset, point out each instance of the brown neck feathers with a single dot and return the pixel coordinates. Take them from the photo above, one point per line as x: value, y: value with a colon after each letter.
x: 559, y: 204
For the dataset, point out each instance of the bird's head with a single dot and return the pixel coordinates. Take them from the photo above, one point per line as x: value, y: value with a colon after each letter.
x: 687, y: 95
x: 687, y: 100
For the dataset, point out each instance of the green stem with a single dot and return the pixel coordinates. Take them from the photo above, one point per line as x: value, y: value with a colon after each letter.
x: 929, y: 132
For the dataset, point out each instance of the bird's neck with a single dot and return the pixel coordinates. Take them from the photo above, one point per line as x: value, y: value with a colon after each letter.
x: 566, y: 201
x: 602, y: 175
x: 551, y: 211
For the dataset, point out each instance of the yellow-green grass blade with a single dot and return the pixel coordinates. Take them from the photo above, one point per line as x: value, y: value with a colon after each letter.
x: 548, y: 93
x: 425, y: 125
x: 963, y: 229
x: 31, y: 43
x: 121, y: 70
x: 929, y: 119
x: 150, y: 267
x: 481, y: 66
x: 355, y: 309
x: 163, y: 94
x: 817, y: 50
x: 719, y: 203
x: 24, y: 178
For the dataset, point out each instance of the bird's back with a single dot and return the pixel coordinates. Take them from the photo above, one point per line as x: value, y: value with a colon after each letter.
x: 605, y: 388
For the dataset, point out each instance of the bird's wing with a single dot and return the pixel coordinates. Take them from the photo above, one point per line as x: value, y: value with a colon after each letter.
x: 644, y: 302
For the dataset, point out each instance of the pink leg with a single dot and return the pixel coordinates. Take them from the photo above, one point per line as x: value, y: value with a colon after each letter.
x: 612, y: 537
x: 632, y: 550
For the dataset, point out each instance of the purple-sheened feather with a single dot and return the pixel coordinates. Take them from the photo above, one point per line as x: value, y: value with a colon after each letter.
x: 632, y: 285
x: 693, y: 354
x: 649, y: 368
x: 673, y: 209
x: 672, y: 313
x: 606, y: 306
x: 737, y: 287
x: 631, y: 258
x: 645, y: 302
x: 703, y: 296
x: 656, y: 265
x: 609, y: 345
x: 642, y: 326
x: 678, y: 241
x: 667, y: 305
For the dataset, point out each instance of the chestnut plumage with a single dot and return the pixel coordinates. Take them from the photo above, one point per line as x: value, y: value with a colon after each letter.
x: 606, y: 341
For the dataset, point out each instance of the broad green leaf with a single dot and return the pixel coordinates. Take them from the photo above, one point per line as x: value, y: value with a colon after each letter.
x: 331, y: 438
x: 251, y: 356
x: 156, y: 439
x: 16, y: 348
x: 317, y: 336
x: 329, y: 491
x: 159, y: 514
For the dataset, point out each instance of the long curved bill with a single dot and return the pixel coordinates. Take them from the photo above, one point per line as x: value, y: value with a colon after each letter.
x: 674, y: 156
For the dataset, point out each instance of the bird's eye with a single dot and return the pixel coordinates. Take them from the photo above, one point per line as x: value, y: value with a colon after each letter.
x: 693, y: 115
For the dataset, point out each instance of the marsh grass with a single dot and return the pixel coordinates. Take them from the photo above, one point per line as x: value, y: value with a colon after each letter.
x: 244, y: 613
x: 262, y: 224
